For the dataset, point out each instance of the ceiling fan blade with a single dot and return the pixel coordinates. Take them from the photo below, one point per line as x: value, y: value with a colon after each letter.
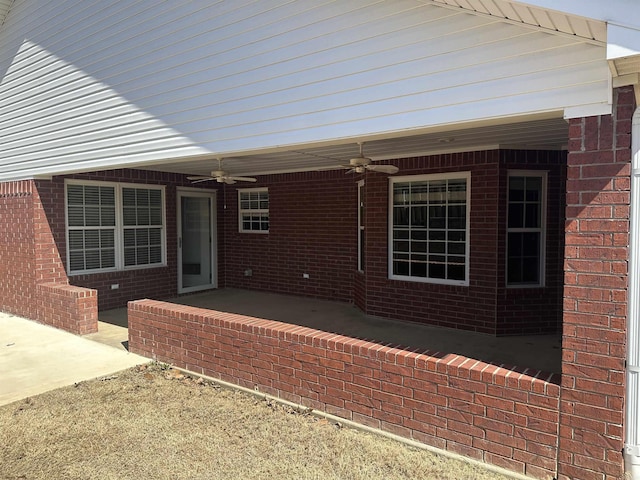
x: 241, y: 179
x: 229, y: 181
x: 200, y: 179
x: 390, y: 169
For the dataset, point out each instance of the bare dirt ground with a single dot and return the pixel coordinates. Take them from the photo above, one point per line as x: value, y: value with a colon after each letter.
x: 156, y: 423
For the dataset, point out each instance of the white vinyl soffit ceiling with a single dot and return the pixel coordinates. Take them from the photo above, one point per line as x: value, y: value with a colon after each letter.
x: 545, y: 134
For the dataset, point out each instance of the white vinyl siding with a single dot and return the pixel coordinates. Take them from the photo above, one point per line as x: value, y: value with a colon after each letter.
x: 114, y: 226
x: 108, y: 83
x: 253, y: 211
x: 429, y: 228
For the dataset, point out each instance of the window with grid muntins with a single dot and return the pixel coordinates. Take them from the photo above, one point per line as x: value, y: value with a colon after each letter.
x: 142, y: 226
x: 525, y: 229
x: 429, y: 228
x: 113, y: 226
x: 91, y: 218
x: 254, y: 210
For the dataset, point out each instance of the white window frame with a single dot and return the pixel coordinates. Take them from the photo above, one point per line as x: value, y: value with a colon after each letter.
x: 259, y: 211
x: 466, y: 175
x: 543, y: 174
x: 118, y: 228
x: 361, y: 226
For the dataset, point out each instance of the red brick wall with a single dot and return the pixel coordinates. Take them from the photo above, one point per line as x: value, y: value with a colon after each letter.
x: 17, y: 249
x: 33, y: 283
x: 74, y: 309
x: 312, y: 229
x: 472, y: 307
x: 534, y: 310
x: 157, y: 282
x: 595, y: 304
x: 499, y: 416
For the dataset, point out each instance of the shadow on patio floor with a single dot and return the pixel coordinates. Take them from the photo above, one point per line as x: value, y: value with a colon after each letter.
x: 539, y: 352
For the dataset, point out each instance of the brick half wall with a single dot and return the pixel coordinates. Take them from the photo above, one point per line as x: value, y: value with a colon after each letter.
x: 70, y: 308
x: 455, y: 403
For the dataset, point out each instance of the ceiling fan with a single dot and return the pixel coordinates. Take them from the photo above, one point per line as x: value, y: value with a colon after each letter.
x: 221, y: 176
x: 361, y: 163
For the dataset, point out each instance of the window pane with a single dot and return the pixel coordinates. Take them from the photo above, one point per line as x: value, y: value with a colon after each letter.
x: 92, y: 239
x: 143, y: 216
x: 107, y: 239
x: 455, y: 272
x: 76, y: 261
x: 142, y: 236
x: 129, y: 238
x: 142, y: 197
x: 401, y: 216
x: 516, y: 214
x: 155, y: 217
x: 437, y: 217
x: 129, y: 257
x: 129, y: 197
x: 75, y: 195
x: 532, y: 215
x: 534, y: 189
x: 92, y: 259
x: 401, y: 268
x: 91, y: 195
x: 418, y: 270
x: 516, y: 189
x: 92, y: 216
x: 155, y: 198
x: 129, y: 216
x: 108, y: 258
x: 155, y: 254
x: 401, y: 234
x: 76, y: 240
x: 108, y: 216
x: 75, y: 216
x: 419, y: 216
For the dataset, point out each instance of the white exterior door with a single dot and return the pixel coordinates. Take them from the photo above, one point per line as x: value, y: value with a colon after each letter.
x: 196, y: 241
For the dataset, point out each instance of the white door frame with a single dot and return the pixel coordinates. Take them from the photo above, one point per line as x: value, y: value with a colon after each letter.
x: 200, y: 193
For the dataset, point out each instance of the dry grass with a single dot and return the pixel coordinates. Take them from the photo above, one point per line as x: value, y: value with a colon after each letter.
x: 152, y: 424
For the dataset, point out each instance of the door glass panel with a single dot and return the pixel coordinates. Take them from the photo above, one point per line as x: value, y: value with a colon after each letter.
x: 196, y: 241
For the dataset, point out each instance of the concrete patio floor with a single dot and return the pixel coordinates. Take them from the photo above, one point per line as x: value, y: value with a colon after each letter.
x: 541, y: 352
x: 36, y: 358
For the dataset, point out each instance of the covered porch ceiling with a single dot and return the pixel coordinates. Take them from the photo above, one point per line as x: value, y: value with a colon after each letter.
x: 542, y: 133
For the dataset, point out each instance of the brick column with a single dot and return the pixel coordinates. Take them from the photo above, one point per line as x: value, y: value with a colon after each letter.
x: 595, y: 295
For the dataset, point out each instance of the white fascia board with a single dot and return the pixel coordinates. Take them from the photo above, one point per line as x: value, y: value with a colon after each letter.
x: 592, y: 110
x: 622, y: 41
x: 623, y: 12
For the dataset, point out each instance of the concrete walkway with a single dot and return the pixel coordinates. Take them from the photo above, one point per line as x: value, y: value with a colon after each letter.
x: 36, y: 358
